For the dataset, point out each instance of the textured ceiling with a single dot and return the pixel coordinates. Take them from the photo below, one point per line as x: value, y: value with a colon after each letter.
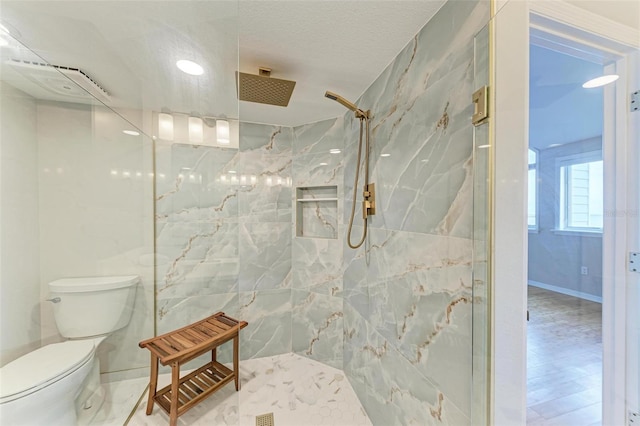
x: 130, y: 48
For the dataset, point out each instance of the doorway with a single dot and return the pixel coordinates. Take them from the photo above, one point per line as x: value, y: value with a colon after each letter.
x: 565, y: 219
x: 514, y: 22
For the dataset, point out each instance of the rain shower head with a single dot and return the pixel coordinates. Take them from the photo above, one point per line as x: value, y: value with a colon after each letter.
x: 263, y: 88
x: 341, y: 100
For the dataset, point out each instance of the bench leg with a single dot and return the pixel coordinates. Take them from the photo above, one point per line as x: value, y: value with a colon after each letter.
x: 153, y: 383
x: 175, y: 382
x: 236, y: 371
x: 214, y: 355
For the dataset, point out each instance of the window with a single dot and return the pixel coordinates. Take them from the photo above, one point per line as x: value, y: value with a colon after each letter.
x: 532, y: 205
x: 581, y: 192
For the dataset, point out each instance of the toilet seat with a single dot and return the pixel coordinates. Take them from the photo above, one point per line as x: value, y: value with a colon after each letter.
x: 42, y: 367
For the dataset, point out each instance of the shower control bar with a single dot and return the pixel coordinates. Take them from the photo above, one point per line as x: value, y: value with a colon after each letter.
x: 369, y: 203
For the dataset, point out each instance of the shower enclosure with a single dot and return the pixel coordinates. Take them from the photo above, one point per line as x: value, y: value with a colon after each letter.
x: 253, y: 224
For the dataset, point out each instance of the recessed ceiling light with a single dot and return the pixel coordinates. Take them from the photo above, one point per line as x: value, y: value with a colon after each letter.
x: 232, y: 172
x: 483, y: 146
x: 190, y: 67
x: 553, y: 145
x: 385, y: 155
x: 600, y: 81
x: 131, y: 132
x: 324, y: 164
x: 334, y: 151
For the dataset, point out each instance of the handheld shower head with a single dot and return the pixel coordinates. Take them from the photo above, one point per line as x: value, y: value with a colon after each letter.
x: 341, y: 100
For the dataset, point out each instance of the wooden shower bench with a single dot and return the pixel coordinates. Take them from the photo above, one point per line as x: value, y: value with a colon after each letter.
x: 183, y: 345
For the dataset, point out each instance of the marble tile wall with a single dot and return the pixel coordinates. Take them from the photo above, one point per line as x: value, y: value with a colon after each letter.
x: 265, y: 238
x: 317, y: 262
x: 408, y: 294
x: 394, y: 314
x: 223, y: 235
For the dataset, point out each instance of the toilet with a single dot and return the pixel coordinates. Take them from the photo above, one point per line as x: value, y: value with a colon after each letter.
x: 54, y: 384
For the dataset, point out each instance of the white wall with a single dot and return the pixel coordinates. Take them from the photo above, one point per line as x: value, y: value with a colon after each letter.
x: 511, y: 40
x: 625, y: 12
x: 96, y: 214
x: 19, y: 264
x: 510, y: 216
x: 556, y: 258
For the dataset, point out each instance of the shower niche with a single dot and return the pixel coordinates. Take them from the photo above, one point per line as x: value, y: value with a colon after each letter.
x: 317, y: 212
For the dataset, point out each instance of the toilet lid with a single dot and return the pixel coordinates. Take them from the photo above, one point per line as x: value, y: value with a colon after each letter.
x: 43, y: 365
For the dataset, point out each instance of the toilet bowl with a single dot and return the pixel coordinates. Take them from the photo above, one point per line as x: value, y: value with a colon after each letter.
x: 44, y: 387
x: 40, y: 388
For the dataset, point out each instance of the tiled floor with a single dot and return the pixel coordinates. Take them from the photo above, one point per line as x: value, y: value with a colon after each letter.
x: 299, y: 391
x: 120, y: 398
x: 564, y: 360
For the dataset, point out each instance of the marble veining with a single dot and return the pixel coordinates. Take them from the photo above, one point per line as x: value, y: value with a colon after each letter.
x: 408, y: 292
x: 319, y: 137
x: 396, y: 314
x: 317, y: 326
x: 297, y: 390
x: 269, y: 316
x: 265, y: 256
x: 317, y: 265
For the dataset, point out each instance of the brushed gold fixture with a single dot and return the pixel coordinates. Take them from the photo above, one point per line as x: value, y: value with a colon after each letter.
x: 265, y: 420
x: 264, y: 89
x: 480, y: 100
x: 369, y: 203
x: 350, y: 105
x: 369, y: 193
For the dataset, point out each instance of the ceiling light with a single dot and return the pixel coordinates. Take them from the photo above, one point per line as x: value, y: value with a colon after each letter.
x: 190, y: 67
x: 131, y: 132
x: 600, y: 81
x: 222, y: 132
x: 334, y: 151
x: 385, y: 155
x: 483, y: 146
x: 233, y: 172
x: 324, y: 164
x: 3, y: 42
x: 196, y: 130
x: 165, y: 126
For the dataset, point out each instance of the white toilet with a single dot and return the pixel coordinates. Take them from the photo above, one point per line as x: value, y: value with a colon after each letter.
x: 49, y: 385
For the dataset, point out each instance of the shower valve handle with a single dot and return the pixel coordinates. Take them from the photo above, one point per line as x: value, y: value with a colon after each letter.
x: 369, y: 203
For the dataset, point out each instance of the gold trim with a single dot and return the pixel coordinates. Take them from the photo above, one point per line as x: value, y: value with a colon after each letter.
x: 155, y: 245
x: 491, y: 214
x: 137, y: 404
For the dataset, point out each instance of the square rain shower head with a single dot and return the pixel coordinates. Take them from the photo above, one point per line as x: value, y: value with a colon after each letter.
x: 264, y: 89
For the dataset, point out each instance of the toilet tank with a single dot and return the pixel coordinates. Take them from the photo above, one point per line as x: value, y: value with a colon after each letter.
x: 92, y: 306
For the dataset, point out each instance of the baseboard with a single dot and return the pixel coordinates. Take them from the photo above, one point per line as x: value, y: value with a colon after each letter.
x: 568, y: 292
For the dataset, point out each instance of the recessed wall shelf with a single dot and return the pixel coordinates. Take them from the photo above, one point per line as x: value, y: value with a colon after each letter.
x: 317, y: 212
x: 307, y: 200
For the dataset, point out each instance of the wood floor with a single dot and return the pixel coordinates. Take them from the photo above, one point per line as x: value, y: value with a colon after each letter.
x: 564, y: 360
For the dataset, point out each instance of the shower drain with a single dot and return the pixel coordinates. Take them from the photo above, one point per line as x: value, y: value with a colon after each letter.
x: 264, y: 419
